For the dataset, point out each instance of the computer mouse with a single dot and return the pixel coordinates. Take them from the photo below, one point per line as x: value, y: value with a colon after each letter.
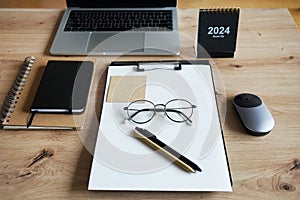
x: 254, y: 114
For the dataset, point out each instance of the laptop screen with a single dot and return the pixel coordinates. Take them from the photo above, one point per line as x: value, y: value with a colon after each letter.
x: 121, y: 3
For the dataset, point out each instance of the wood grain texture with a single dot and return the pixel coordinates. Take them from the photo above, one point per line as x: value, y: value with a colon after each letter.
x: 239, y: 3
x: 266, y: 63
x: 294, y: 5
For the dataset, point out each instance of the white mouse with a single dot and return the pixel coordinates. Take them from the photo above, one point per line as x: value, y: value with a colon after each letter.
x: 254, y: 114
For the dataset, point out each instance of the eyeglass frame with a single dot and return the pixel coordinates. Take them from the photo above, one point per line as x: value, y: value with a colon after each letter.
x: 165, y: 110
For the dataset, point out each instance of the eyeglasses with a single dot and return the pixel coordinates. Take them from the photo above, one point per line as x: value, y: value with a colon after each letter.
x: 177, y: 110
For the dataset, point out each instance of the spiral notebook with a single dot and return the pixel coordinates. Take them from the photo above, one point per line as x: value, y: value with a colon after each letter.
x: 15, y: 113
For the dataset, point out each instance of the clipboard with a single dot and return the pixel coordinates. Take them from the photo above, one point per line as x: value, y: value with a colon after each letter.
x: 122, y: 163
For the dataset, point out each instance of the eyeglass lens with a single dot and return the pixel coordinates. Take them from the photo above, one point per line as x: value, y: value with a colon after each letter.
x: 179, y: 110
x: 141, y: 111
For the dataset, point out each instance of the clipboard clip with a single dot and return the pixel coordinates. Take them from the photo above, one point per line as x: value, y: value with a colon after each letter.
x: 142, y: 66
x: 156, y: 65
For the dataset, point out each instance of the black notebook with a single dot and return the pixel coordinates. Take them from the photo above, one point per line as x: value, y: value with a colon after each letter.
x: 217, y: 32
x: 64, y: 87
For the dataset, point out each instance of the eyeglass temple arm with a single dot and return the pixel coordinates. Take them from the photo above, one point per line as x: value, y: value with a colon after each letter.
x: 180, y: 113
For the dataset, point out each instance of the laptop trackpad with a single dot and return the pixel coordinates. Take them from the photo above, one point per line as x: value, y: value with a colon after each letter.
x: 115, y: 43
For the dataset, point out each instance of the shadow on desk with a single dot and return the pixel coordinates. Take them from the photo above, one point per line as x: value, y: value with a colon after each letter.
x: 82, y: 173
x: 53, y: 33
x: 233, y: 120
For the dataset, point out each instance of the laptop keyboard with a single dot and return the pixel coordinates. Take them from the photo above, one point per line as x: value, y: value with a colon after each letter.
x: 95, y: 20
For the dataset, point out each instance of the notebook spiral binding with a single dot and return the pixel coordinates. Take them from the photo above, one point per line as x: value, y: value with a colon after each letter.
x: 16, y: 90
x: 220, y: 10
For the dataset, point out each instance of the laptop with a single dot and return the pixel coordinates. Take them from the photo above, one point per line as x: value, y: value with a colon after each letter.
x: 118, y: 27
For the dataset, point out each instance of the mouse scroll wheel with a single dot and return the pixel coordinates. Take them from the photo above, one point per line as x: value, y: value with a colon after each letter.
x: 247, y: 100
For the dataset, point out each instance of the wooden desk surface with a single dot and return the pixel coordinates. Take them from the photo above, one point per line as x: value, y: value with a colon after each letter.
x: 267, y: 63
